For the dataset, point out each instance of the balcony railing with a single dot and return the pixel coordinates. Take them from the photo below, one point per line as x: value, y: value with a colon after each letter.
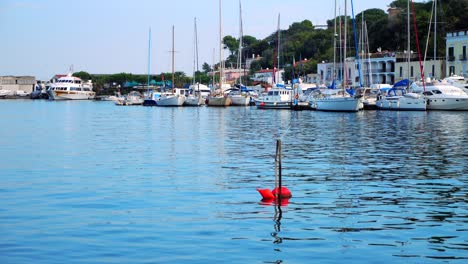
x: 463, y: 57
x: 451, y: 58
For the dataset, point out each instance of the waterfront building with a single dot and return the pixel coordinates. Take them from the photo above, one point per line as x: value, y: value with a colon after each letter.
x: 378, y: 69
x: 456, y: 57
x: 18, y: 83
x: 381, y: 68
x: 266, y: 76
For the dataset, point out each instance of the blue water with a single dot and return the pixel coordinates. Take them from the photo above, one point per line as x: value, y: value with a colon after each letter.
x: 91, y: 182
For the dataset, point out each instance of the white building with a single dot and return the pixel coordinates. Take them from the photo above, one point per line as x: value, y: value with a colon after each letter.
x: 456, y: 43
x: 266, y: 76
x: 377, y: 70
x: 17, y: 83
x: 381, y: 68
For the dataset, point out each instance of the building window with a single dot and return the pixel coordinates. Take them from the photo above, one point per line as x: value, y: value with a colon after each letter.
x: 401, y: 71
x: 433, y: 70
x: 451, y: 56
x: 451, y: 70
x: 411, y: 69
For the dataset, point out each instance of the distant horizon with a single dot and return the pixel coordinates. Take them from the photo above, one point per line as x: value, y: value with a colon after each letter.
x: 112, y: 37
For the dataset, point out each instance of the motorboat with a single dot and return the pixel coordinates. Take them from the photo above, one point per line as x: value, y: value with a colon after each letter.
x: 174, y: 98
x: 71, y: 88
x: 276, y: 98
x: 132, y: 98
x: 441, y: 95
x: 4, y: 93
x: 369, y: 95
x: 398, y: 98
x: 22, y: 93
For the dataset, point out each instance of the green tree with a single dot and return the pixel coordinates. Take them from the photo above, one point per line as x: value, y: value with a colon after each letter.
x: 231, y: 43
x: 83, y: 75
x: 206, y: 67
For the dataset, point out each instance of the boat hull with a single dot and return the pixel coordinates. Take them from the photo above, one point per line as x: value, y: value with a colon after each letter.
x: 70, y: 95
x: 149, y: 102
x: 273, y: 104
x: 194, y: 101
x: 219, y: 101
x: 450, y: 104
x: 338, y: 104
x: 171, y: 100
x: 402, y: 104
x: 240, y: 100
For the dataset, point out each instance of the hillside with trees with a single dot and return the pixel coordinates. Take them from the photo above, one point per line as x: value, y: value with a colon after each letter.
x: 302, y: 40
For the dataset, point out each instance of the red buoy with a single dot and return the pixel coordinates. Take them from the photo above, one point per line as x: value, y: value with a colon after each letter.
x: 266, y: 194
x: 285, y: 193
x: 270, y: 195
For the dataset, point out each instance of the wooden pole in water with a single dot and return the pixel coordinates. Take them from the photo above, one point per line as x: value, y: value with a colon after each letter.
x: 278, y: 180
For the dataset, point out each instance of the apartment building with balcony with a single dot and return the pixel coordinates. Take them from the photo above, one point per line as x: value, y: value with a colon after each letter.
x: 456, y: 43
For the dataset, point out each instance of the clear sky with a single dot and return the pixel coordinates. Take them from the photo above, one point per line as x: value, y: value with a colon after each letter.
x: 45, y: 37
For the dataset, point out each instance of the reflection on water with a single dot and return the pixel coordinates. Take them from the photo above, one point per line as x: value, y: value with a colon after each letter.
x: 90, y: 182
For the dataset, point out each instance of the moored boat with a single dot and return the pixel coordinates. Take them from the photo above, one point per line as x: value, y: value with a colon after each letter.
x: 71, y: 88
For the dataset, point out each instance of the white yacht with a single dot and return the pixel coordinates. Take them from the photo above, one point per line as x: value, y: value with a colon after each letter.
x: 174, y: 98
x: 71, y: 88
x: 334, y: 100
x: 276, y: 98
x: 443, y: 96
x: 397, y: 98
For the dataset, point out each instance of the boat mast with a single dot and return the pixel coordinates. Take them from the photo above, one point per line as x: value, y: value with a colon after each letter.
x: 196, y: 56
x: 194, y: 48
x: 334, y: 49
x: 435, y: 31
x: 221, y: 68
x: 239, y: 59
x: 408, y: 47
x: 356, y: 45
x: 344, y: 47
x: 173, y: 59
x: 278, y: 48
x: 149, y: 56
x: 341, y: 49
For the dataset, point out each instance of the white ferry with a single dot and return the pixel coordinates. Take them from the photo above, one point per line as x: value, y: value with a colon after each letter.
x: 71, y: 88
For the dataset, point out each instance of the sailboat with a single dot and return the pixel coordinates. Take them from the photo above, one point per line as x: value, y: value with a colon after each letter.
x: 177, y: 96
x: 279, y: 96
x: 152, y: 96
x: 219, y: 98
x: 239, y: 97
x: 399, y: 97
x: 194, y: 98
x: 334, y: 99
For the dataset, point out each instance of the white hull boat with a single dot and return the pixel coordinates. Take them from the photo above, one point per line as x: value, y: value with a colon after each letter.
x: 240, y: 100
x: 171, y: 100
x: 193, y: 100
x: 71, y: 88
x: 338, y: 104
